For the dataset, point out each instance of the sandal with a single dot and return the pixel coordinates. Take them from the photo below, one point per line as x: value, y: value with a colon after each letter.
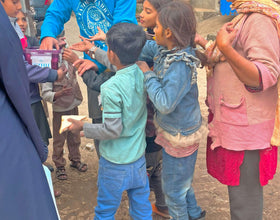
x: 60, y: 173
x: 161, y: 212
x: 82, y: 167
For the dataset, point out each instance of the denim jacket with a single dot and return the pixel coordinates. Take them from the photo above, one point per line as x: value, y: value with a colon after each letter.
x: 172, y: 87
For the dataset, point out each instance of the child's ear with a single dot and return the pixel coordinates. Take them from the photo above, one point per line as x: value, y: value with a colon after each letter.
x: 113, y: 55
x: 168, y: 33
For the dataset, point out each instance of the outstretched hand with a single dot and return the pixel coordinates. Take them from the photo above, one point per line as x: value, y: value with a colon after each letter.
x: 82, y: 46
x: 69, y: 55
x: 99, y: 36
x: 83, y: 65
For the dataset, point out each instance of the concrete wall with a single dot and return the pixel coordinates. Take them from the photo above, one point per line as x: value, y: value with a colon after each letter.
x: 206, y: 4
x: 205, y: 9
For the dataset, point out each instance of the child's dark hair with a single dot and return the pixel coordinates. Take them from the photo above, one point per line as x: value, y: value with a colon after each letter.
x: 180, y: 19
x: 127, y: 41
x: 157, y: 4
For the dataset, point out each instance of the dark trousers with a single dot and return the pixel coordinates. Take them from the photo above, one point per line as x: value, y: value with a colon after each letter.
x: 73, y: 140
x: 154, y: 168
x: 246, y: 200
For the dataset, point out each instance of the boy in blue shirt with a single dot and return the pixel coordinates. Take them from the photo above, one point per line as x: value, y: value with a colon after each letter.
x: 122, y: 164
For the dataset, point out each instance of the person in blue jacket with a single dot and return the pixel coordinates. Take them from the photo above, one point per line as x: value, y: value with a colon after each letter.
x: 24, y: 190
x: 36, y: 74
x: 90, y: 16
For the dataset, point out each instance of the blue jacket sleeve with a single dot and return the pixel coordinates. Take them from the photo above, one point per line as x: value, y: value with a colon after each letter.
x: 124, y: 11
x: 56, y: 16
x: 167, y: 93
x: 149, y: 51
x: 37, y: 74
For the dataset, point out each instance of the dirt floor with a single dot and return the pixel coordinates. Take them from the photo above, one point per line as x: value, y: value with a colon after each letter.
x: 79, y: 192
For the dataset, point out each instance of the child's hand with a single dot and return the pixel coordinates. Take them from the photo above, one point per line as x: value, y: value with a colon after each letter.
x: 83, y: 65
x: 61, y: 72
x: 225, y: 36
x: 143, y: 66
x: 61, y: 42
x: 69, y: 55
x: 76, y: 125
x: 99, y: 36
x: 201, y: 41
x: 63, y: 92
x: 82, y: 46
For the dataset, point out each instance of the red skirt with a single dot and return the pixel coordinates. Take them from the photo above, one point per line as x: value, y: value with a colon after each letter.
x: 224, y: 164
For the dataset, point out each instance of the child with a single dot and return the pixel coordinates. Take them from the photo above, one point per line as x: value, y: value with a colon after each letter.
x: 65, y: 97
x: 122, y: 133
x: 242, y: 97
x: 153, y: 150
x: 27, y: 41
x: 172, y: 88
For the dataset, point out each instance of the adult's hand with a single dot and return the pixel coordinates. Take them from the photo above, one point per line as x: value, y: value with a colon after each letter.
x: 48, y: 43
x: 246, y: 71
x: 226, y: 36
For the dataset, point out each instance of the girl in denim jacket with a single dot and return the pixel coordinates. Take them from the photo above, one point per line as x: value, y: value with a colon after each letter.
x: 172, y: 87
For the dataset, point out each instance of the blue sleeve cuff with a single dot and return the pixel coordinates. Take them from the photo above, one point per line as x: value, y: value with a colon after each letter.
x: 52, y: 76
x: 148, y: 75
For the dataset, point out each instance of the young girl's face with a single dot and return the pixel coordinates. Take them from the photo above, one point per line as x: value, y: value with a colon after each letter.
x: 160, y: 34
x: 21, y: 20
x: 148, y: 15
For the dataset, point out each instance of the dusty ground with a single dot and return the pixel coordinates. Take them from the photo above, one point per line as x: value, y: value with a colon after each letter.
x: 80, y: 190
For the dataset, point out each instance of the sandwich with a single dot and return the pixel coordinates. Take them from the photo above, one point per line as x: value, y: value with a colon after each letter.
x: 65, y: 124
